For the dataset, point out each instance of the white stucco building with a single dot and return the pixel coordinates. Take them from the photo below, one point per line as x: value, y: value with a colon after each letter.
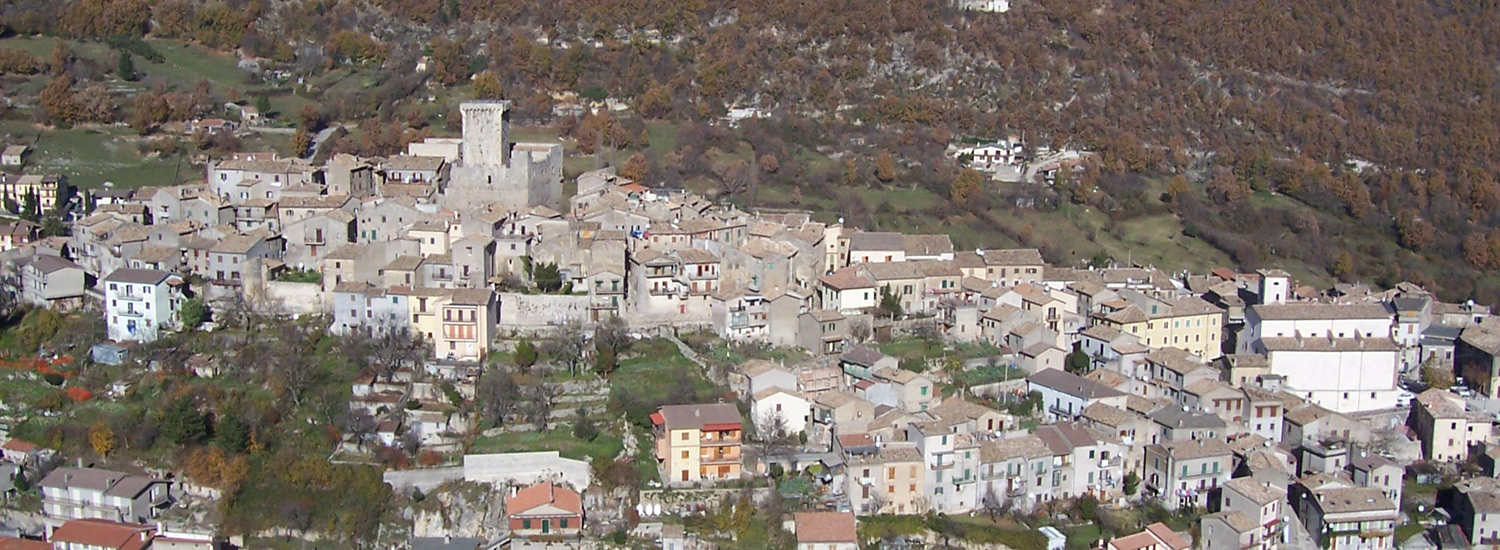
x: 1340, y: 356
x: 793, y: 409
x: 140, y: 303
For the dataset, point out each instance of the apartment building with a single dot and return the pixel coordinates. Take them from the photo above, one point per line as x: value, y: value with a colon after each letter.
x: 1183, y: 473
x: 84, y: 493
x: 698, y: 443
x: 140, y: 303
x: 1188, y: 324
x: 881, y: 477
x: 1340, y: 517
x: 1446, y: 428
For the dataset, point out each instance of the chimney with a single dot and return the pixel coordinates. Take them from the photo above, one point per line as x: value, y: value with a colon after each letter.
x: 145, y: 535
x: 448, y: 538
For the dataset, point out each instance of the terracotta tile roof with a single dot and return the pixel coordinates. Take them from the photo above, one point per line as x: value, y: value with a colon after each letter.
x: 1013, y: 257
x: 544, y: 494
x: 685, y: 417
x: 18, y: 445
x: 821, y: 527
x: 12, y: 543
x: 98, y: 532
x: 847, y: 278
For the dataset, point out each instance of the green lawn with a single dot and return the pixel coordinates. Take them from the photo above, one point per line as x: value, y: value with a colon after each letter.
x: 1408, y: 531
x: 1082, y: 537
x: 906, y: 348
x: 559, y: 439
x: 90, y: 156
x: 653, y: 373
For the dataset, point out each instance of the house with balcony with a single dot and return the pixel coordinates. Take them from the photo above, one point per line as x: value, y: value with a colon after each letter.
x: 847, y: 290
x: 1261, y: 503
x: 1017, y: 470
x: 229, y: 258
x: 1169, y: 372
x: 91, y: 493
x: 740, y: 314
x: 654, y: 277
x: 823, y: 332
x: 881, y: 477
x: 1342, y: 517
x: 698, y: 444
x: 52, y: 282
x: 1065, y: 395
x: 311, y: 238
x: 1084, y: 461
x: 1184, y: 473
x: 467, y: 319
x: 949, y: 436
x: 139, y: 304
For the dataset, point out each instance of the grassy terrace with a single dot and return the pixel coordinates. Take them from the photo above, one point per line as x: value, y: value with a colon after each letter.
x: 560, y: 438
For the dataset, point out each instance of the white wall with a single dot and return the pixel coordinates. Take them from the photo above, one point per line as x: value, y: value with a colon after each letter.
x: 1342, y: 381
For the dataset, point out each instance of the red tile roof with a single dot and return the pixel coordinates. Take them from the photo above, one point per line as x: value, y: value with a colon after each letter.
x: 544, y: 493
x: 18, y: 445
x: 108, y: 534
x: 825, y: 527
x: 12, y: 543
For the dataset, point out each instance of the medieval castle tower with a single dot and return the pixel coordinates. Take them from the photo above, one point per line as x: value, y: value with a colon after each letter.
x: 492, y: 169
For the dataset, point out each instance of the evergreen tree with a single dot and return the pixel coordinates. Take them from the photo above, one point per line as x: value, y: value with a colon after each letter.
x: 183, y: 424
x: 126, y: 67
x: 232, y: 435
x: 584, y: 428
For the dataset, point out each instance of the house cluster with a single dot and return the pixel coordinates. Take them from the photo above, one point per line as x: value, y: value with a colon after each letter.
x: 421, y: 231
x: 1241, y: 394
x: 414, y: 410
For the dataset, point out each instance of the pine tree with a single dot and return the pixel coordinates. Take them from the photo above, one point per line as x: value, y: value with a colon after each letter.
x: 126, y: 68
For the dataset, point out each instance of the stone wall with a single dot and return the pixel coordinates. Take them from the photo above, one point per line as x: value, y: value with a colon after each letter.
x: 527, y: 468
x: 533, y: 311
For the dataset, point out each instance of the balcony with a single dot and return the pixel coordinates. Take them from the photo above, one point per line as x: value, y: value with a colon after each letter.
x: 442, y: 276
x: 719, y: 458
x: 940, y: 465
x: 131, y: 313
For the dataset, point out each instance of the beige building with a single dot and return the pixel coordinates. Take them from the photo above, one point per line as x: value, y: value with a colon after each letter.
x: 698, y: 443
x: 1184, y: 473
x: 49, y: 190
x: 881, y: 477
x: 1445, y: 427
x: 1188, y: 324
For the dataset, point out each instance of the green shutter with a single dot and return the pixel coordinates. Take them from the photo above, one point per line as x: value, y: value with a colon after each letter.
x: 525, y: 524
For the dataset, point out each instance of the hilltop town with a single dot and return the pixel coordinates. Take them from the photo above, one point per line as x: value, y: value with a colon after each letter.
x: 459, y: 348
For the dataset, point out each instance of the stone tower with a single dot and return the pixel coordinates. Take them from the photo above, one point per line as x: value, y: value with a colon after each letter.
x: 486, y: 133
x: 491, y: 170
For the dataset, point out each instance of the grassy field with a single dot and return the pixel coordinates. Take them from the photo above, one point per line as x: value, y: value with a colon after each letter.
x: 652, y: 373
x: 90, y: 156
x: 559, y: 439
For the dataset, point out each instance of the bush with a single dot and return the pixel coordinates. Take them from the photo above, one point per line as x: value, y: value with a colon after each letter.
x: 53, y: 378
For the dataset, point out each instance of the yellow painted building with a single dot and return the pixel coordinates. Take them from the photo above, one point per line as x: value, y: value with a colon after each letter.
x: 698, y: 443
x: 1188, y: 324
